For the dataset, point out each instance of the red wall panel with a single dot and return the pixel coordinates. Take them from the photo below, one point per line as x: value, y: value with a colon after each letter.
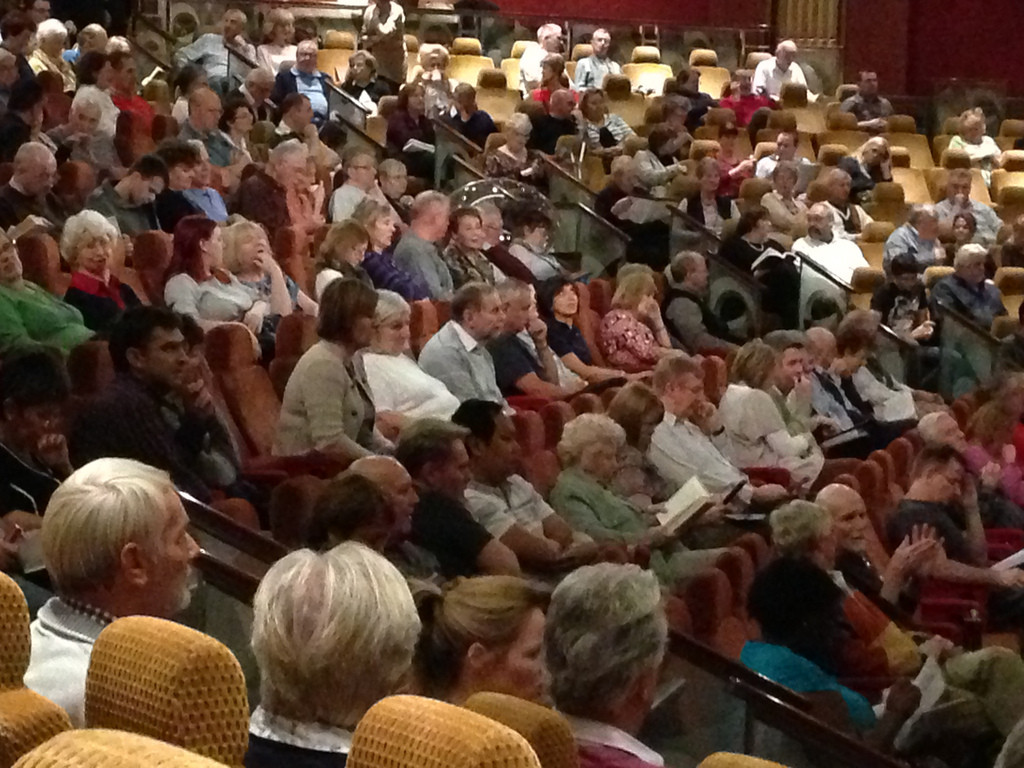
x: 881, y: 47
x: 690, y: 13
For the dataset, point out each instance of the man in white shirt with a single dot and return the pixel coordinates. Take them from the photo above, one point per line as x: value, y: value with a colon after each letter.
x: 549, y: 40
x: 210, y: 51
x: 360, y: 169
x: 680, y: 449
x: 771, y: 74
x: 837, y: 255
x: 592, y: 70
x: 785, y: 150
x: 117, y: 544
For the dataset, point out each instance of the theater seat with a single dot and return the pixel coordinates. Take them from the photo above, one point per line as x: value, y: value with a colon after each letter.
x: 888, y: 203
x: 151, y: 256
x: 291, y: 509
x: 623, y: 102
x: 164, y: 680
x: 40, y: 263
x: 547, y: 732
x: 494, y: 96
x: 111, y: 749
x: 423, y: 323
x: 710, y: 601
x: 731, y: 760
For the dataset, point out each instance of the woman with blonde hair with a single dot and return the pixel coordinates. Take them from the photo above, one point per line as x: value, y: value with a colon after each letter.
x: 512, y: 160
x: 438, y: 88
x: 341, y: 254
x: 981, y: 149
x: 279, y: 46
x: 247, y: 255
x: 991, y: 454
x: 638, y: 410
x: 482, y: 634
x: 633, y: 335
x: 869, y: 165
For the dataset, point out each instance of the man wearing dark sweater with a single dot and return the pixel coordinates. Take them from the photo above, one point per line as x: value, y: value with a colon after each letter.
x: 556, y: 123
x: 28, y: 191
x: 473, y: 123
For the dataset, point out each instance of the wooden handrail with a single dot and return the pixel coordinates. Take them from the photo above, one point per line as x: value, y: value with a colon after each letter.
x: 724, y: 264
x: 471, y: 147
x: 693, y: 224
x: 984, y: 334
x: 230, y: 580
x: 358, y: 110
x: 138, y: 18
x: 223, y: 528
x: 467, y: 168
x: 232, y: 51
x: 564, y: 175
x: 137, y: 48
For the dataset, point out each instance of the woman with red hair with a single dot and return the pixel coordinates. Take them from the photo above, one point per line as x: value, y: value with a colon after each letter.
x: 199, y: 286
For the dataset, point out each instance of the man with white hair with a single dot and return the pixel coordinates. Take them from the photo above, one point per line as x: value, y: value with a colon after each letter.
x: 967, y: 290
x: 210, y: 51
x: 51, y: 35
x: 848, y: 218
x: 918, y: 237
x: 263, y: 196
x: 604, y: 641
x: 115, y: 543
x: 958, y: 200
x: 28, y: 192
x: 771, y: 74
x: 549, y: 40
x: 256, y: 92
x: 593, y: 69
x: 688, y: 318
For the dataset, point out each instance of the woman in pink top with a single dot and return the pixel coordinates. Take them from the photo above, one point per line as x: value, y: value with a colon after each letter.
x: 633, y: 336
x: 990, y: 453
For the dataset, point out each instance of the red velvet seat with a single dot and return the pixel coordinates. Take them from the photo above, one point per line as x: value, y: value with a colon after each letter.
x: 40, y: 263
x: 151, y: 257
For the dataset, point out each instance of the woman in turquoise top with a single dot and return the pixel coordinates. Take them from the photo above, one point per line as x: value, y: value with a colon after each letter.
x: 30, y: 315
x: 799, y: 609
x: 589, y: 451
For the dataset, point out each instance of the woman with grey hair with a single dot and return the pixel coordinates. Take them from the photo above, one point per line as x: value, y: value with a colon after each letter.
x: 51, y: 35
x: 88, y: 245
x: 333, y: 633
x: 398, y: 385
x: 512, y: 160
x: 604, y: 641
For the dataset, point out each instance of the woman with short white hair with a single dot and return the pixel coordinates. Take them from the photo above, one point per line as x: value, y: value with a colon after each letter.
x: 51, y: 35
x: 604, y: 641
x: 332, y: 633
x: 90, y: 245
x: 397, y: 384
x: 512, y: 160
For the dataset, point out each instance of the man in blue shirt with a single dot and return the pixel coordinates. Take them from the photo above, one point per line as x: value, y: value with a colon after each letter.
x: 306, y: 79
x: 967, y: 290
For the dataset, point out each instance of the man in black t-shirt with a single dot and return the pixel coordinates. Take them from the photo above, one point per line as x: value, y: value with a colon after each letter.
x: 556, y: 123
x: 902, y: 300
x: 433, y: 453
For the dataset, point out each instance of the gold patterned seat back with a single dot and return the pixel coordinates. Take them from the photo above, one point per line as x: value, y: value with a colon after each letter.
x: 97, y: 748
x: 14, y: 635
x: 547, y: 731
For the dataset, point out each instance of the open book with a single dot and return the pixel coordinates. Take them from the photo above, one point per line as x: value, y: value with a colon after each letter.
x: 1013, y: 561
x: 30, y: 552
x: 415, y: 145
x: 690, y: 500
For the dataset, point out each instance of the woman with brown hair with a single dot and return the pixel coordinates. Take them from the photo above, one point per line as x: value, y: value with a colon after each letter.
x: 638, y: 410
x: 341, y: 254
x: 482, y: 634
x: 408, y: 128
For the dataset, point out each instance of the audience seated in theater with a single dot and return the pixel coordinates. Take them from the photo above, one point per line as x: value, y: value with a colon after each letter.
x: 482, y: 634
x: 800, y: 649
x: 559, y: 304
x: 838, y: 255
x: 95, y: 79
x: 31, y: 316
x: 745, y: 101
x: 691, y: 323
x: 457, y: 354
x: 400, y: 389
x: 361, y: 81
x: 17, y: 29
x: 902, y: 301
x: 681, y: 446
x: 431, y: 73
x: 282, y: 195
x: 991, y: 455
x: 848, y: 218
x: 558, y: 121
x: 504, y: 503
x: 34, y: 391
x: 79, y: 140
x: 603, y: 131
x: 28, y: 194
x: 50, y: 37
x: 787, y: 212
x: 384, y: 37
x: 360, y: 169
x: 298, y: 122
x: 210, y: 51
x: 88, y: 246
x: 870, y: 109
x: 707, y: 207
x: 751, y: 250
x: 341, y: 255
x: 591, y: 70
x: 326, y: 405
x: 8, y: 77
x: 204, y: 112
x: 967, y: 290
x: 523, y: 362
x: 604, y: 642
x: 23, y: 118
x: 919, y: 238
x: 435, y: 456
x: 278, y: 50
x: 549, y: 39
x: 943, y: 496
x: 765, y: 411
x: 870, y: 164
x: 675, y: 113
x: 981, y: 149
x: 1012, y: 251
x: 172, y: 205
x: 652, y: 173
x: 333, y: 633
x: 75, y: 182
x: 255, y: 91
x: 733, y: 167
x: 497, y: 252
x: 622, y: 203
x: 380, y: 222
x: 552, y: 78
x: 463, y: 255
x: 236, y: 121
x: 203, y: 196
x: 633, y: 335
x: 687, y: 85
x: 394, y: 180
x: 963, y: 230
x: 466, y: 118
x: 786, y: 144
x: 512, y: 160
x: 247, y: 256
x: 771, y: 74
x: 637, y: 409
x: 589, y: 451
x: 190, y: 78
x: 409, y: 126
x: 418, y: 251
x: 115, y: 543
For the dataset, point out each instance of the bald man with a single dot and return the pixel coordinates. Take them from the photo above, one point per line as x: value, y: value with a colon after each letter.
x: 771, y: 74
x: 204, y: 111
x: 558, y: 122
x: 28, y: 193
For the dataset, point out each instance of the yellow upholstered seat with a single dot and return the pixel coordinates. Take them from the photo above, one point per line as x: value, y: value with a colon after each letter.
x: 916, y: 145
x: 713, y: 80
x: 26, y: 721
x: 849, y: 139
x: 337, y: 38
x: 547, y: 732
x: 932, y: 275
x: 582, y: 51
x: 15, y: 640
x: 465, y: 46
x: 467, y: 68
x: 519, y: 47
x: 334, y: 61
x: 164, y: 680
x: 511, y: 69
x: 649, y: 77
x: 730, y: 760
x: 864, y: 282
x: 914, y: 183
x: 1010, y: 282
x: 111, y: 749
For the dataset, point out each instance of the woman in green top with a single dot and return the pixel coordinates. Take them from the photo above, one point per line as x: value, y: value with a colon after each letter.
x: 589, y: 452
x: 30, y: 315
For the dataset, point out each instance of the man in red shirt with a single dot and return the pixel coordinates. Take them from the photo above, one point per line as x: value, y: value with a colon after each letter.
x: 744, y: 102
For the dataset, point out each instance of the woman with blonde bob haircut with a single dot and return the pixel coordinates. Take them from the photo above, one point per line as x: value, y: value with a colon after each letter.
x: 279, y: 47
x: 89, y: 246
x: 247, y: 255
x: 332, y: 633
x: 633, y: 335
x: 482, y: 634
